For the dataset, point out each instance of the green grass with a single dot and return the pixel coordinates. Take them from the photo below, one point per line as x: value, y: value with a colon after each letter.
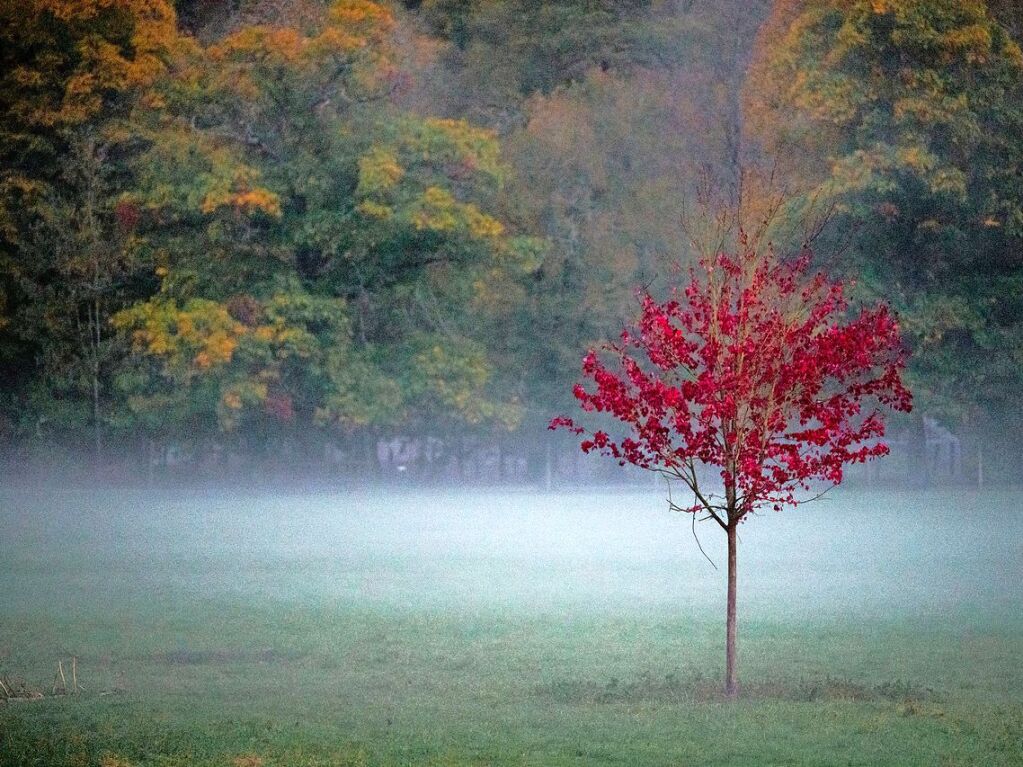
x: 429, y: 630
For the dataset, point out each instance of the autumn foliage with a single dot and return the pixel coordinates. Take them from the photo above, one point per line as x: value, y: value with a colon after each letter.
x: 757, y: 369
x: 752, y: 368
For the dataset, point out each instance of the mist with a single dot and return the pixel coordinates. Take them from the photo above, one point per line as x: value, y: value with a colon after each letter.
x: 853, y: 554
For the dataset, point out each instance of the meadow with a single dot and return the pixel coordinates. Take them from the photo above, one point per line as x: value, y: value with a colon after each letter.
x: 503, y: 627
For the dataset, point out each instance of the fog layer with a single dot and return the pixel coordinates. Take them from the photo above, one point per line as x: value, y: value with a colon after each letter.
x: 904, y: 554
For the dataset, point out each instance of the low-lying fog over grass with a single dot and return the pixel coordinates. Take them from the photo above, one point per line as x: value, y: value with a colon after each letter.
x: 896, y: 554
x: 509, y: 627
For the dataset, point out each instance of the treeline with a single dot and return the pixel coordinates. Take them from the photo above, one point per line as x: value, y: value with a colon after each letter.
x: 257, y: 233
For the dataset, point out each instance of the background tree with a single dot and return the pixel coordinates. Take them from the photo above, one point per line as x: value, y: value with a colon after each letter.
x: 756, y: 370
x: 247, y: 151
x: 284, y: 175
x: 611, y: 114
x: 71, y: 76
x: 907, y: 115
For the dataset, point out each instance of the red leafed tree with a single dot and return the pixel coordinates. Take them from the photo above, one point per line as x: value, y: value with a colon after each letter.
x: 756, y: 369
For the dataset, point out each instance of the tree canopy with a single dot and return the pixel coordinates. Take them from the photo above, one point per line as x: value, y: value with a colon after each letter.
x: 267, y: 229
x: 908, y: 115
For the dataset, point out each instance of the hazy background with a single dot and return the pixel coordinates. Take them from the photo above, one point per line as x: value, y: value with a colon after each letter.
x: 349, y: 242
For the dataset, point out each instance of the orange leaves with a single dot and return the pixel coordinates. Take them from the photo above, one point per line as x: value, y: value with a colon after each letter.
x: 257, y: 200
x: 73, y: 56
x: 247, y: 202
x: 355, y: 38
x: 280, y: 44
x: 335, y: 40
x: 233, y: 186
x: 361, y: 15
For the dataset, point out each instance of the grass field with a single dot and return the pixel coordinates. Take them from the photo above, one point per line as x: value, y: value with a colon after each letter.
x: 509, y: 628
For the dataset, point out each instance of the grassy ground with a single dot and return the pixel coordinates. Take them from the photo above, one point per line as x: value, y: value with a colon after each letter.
x: 508, y: 629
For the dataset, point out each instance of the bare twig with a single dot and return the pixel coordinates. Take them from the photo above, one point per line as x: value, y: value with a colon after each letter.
x: 675, y: 507
x: 700, y: 545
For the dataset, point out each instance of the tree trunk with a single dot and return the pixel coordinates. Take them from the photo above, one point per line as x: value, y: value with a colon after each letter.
x: 731, y: 631
x: 97, y: 431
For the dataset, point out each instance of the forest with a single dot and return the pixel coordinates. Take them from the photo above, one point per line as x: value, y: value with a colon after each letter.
x: 274, y: 236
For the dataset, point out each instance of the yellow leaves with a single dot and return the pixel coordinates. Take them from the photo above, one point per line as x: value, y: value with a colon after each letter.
x: 456, y: 378
x: 476, y: 149
x: 410, y: 177
x: 948, y: 181
x: 282, y: 42
x: 481, y: 224
x: 439, y: 211
x: 195, y: 338
x: 186, y: 171
x: 917, y: 158
x: 973, y: 41
x: 355, y: 25
x: 375, y: 209
x: 236, y: 356
x: 455, y: 375
x: 355, y: 32
x: 244, y: 392
x: 264, y: 333
x: 892, y: 96
x: 157, y: 345
x: 336, y: 40
x: 218, y: 350
x: 379, y: 171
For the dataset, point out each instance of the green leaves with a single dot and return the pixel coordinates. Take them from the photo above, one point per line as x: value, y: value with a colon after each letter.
x: 313, y: 241
x: 906, y: 115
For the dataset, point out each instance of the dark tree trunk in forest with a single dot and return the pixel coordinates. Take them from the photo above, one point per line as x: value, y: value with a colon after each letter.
x: 731, y: 629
